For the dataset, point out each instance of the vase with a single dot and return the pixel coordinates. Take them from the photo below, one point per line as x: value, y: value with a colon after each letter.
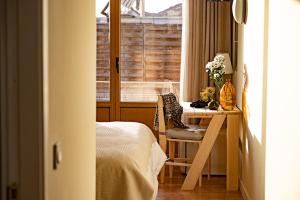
x: 228, y: 96
x: 217, y: 94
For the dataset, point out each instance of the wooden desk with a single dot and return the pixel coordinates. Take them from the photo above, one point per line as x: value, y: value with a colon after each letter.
x: 218, y: 118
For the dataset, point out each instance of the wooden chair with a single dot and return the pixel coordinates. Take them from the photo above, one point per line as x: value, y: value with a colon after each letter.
x: 169, y: 136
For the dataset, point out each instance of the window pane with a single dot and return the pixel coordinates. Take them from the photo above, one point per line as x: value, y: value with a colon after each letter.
x: 103, y: 52
x: 150, y: 49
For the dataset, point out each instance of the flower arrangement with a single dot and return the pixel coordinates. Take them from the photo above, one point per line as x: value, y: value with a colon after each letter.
x: 215, y: 70
x: 207, y: 94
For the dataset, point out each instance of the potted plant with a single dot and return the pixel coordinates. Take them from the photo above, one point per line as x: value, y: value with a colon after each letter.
x: 215, y: 70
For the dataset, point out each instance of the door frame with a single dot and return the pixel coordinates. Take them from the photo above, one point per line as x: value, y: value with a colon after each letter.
x: 116, y: 20
x: 21, y: 67
x: 115, y: 104
x: 112, y: 104
x: 3, y: 103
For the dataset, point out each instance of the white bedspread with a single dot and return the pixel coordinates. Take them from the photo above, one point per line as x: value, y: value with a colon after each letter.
x: 128, y: 161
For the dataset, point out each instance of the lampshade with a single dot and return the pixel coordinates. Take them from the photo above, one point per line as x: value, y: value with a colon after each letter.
x: 227, y: 63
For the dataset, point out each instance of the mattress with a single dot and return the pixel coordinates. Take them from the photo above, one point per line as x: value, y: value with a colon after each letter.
x: 128, y: 161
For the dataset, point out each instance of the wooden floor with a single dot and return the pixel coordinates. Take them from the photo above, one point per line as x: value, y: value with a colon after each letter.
x: 213, y: 189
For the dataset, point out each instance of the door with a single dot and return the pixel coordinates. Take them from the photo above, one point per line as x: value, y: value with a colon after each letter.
x: 47, y: 89
x: 21, y: 130
x: 9, y: 135
x: 146, y: 40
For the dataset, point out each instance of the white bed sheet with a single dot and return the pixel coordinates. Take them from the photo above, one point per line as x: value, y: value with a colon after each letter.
x: 127, y: 148
x: 156, y: 162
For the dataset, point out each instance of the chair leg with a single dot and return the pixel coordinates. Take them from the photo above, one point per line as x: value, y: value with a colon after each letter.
x: 200, y: 180
x: 172, y: 156
x: 162, y: 174
x: 209, y: 166
x: 163, y: 145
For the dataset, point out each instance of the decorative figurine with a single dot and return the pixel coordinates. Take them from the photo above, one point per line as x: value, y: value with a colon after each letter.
x: 228, y: 96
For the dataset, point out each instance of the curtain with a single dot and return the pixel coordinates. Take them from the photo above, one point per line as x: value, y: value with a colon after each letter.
x: 207, y: 29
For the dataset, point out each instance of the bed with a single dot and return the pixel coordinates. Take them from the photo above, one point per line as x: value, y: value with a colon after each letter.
x: 128, y: 161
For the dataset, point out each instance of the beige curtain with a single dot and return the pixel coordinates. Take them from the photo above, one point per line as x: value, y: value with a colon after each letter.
x: 206, y: 30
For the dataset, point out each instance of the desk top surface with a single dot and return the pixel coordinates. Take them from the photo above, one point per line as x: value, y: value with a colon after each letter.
x: 189, y: 111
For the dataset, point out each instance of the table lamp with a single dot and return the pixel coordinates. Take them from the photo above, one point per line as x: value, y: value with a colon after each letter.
x: 227, y: 63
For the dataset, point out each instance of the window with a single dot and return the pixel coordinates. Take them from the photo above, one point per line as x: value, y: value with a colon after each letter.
x: 150, y: 53
x: 103, y: 52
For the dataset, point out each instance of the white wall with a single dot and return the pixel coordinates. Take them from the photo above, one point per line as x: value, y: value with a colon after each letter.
x: 251, y: 64
x: 283, y: 121
x: 269, y: 45
x: 70, y: 89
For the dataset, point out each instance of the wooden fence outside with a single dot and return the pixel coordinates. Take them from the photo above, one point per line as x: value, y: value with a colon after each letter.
x: 150, y: 58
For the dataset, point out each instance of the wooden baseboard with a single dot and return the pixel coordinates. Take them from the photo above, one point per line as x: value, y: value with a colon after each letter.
x: 244, y: 191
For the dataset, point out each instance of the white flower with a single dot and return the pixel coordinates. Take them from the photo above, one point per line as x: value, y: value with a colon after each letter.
x: 223, y: 69
x: 215, y: 65
x: 216, y: 75
x: 219, y: 59
x: 208, y: 65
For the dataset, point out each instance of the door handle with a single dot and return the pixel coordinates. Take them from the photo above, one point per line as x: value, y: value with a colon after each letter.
x: 118, y: 64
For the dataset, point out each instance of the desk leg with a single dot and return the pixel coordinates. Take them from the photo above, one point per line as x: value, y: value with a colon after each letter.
x: 203, y: 152
x: 232, y: 152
